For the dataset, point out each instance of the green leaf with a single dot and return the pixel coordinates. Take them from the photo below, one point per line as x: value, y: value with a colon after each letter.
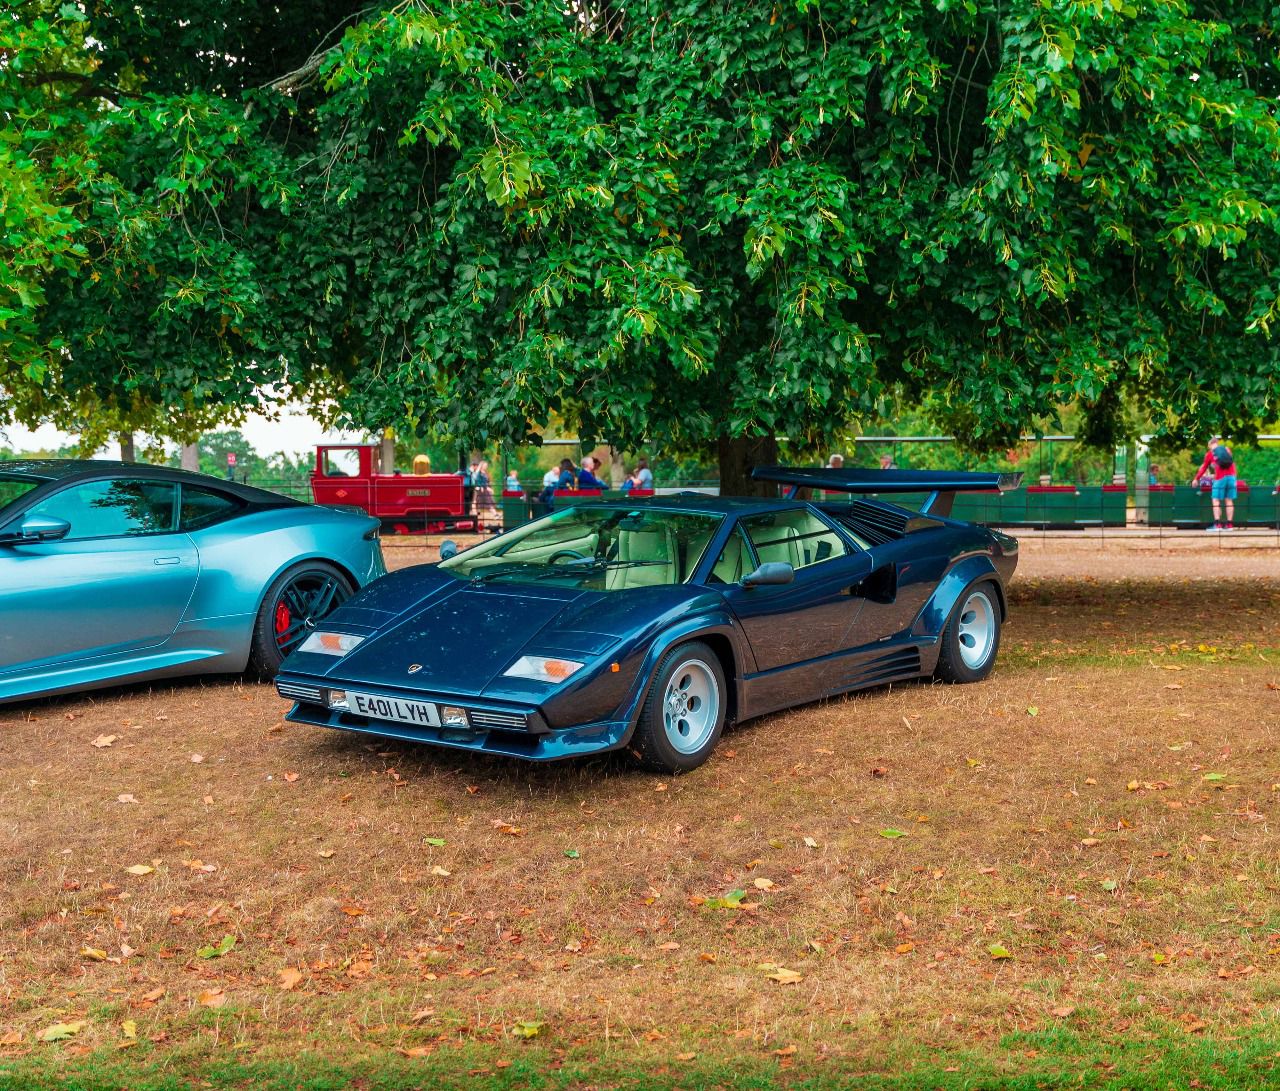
x: 528, y: 1028
x: 892, y: 833
x: 61, y: 1031
x: 1214, y: 776
x: 222, y: 947
x: 573, y: 854
x: 998, y: 952
x: 435, y: 842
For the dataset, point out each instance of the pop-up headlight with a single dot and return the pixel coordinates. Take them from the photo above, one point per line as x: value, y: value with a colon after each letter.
x: 330, y: 643
x: 542, y: 668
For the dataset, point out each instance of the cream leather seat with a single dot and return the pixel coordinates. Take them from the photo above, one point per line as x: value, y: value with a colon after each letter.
x: 656, y: 547
x: 783, y: 545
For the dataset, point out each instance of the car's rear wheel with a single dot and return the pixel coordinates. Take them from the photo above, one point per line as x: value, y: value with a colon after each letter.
x: 684, y: 713
x: 972, y: 636
x: 295, y: 603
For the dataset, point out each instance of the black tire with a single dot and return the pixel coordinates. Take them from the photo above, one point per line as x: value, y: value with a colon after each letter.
x: 680, y: 738
x: 308, y: 593
x: 959, y: 661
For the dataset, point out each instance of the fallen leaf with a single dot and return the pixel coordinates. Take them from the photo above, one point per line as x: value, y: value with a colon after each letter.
x: 154, y: 995
x: 786, y: 1051
x: 685, y: 1056
x: 12, y: 1038
x: 892, y: 833
x: 435, y: 842
x: 61, y: 1031
x: 880, y: 771
x: 129, y: 1028
x: 212, y: 998
x: 104, y: 740
x: 783, y: 976
x: 140, y: 869
x: 572, y: 854
x: 290, y: 978
x: 291, y: 777
x: 998, y: 952
x: 810, y: 843
x: 762, y: 883
x: 706, y: 956
x: 1109, y: 884
x: 200, y: 865
x: 905, y: 948
x: 528, y: 1028
x: 1032, y: 710
x: 196, y: 759
x: 94, y: 953
x: 353, y: 910
x: 125, y: 797
x: 414, y: 1051
x: 670, y: 945
x: 325, y: 854
x: 438, y: 870
x: 1063, y: 1012
x: 1089, y: 842
x: 421, y: 1015
x: 222, y: 947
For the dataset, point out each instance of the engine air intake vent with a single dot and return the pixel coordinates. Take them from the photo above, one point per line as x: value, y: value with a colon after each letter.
x: 877, y: 523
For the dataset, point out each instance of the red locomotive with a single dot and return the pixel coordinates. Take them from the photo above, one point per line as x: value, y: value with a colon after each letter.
x: 349, y: 474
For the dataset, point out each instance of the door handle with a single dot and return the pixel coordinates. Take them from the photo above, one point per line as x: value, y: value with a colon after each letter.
x: 167, y: 560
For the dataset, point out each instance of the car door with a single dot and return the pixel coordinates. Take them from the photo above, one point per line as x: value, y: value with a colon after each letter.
x: 806, y: 619
x: 118, y: 581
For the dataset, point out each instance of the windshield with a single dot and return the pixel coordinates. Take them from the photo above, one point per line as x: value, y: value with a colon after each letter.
x: 12, y: 489
x: 596, y: 548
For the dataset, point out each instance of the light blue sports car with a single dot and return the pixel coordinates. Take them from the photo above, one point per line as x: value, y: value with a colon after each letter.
x: 116, y: 572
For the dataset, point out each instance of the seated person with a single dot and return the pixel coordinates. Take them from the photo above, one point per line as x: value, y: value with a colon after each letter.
x: 587, y: 474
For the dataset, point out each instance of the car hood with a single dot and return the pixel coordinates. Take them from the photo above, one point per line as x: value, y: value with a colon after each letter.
x: 460, y: 637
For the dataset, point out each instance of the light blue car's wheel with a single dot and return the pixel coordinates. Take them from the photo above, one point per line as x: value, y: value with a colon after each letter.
x: 293, y: 606
x: 685, y: 711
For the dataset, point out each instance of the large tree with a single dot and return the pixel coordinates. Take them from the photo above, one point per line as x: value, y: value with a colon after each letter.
x: 699, y: 223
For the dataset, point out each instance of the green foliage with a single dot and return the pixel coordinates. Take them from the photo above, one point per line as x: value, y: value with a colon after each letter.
x: 661, y: 223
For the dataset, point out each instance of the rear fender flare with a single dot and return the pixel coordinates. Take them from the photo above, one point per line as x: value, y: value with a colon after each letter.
x: 719, y: 624
x: 933, y: 618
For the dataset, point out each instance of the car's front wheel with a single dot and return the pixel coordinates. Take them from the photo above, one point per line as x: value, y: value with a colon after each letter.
x: 684, y: 713
x: 972, y: 636
x: 295, y: 603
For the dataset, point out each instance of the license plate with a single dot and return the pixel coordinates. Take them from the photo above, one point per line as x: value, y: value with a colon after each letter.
x: 421, y: 713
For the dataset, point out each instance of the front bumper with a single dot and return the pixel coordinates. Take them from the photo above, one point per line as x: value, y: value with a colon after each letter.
x: 518, y: 732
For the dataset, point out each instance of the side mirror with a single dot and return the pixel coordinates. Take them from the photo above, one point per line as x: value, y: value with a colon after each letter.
x: 448, y: 549
x: 771, y: 572
x: 39, y: 528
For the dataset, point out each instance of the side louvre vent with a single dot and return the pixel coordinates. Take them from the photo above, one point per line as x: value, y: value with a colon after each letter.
x: 899, y: 663
x: 877, y: 523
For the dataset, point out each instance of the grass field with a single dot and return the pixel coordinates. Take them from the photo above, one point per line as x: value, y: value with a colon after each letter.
x: 1066, y: 876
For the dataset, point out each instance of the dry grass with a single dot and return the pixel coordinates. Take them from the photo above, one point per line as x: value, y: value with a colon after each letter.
x: 1092, y: 839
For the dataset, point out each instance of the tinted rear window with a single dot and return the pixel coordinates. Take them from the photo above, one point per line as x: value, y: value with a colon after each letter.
x: 204, y: 507
x: 14, y: 488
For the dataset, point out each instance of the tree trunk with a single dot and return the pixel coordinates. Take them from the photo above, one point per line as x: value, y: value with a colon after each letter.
x: 388, y: 451
x: 617, y: 468
x: 738, y: 454
x: 127, y: 451
x: 191, y: 456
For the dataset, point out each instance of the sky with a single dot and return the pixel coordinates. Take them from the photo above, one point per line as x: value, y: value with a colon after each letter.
x: 293, y: 433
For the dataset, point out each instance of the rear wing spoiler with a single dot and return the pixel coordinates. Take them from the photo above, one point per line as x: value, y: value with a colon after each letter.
x: 941, y: 485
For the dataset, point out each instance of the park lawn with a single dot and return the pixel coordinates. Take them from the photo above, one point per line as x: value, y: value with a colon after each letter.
x: 1065, y: 872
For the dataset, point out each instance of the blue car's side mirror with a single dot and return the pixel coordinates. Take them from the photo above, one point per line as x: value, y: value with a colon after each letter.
x: 41, y: 528
x: 771, y: 572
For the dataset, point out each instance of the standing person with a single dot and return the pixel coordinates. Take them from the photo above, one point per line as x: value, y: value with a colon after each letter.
x: 485, y: 507
x: 643, y: 475
x: 1219, y: 460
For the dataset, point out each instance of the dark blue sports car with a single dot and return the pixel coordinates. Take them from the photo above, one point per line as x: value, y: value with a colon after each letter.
x: 651, y: 624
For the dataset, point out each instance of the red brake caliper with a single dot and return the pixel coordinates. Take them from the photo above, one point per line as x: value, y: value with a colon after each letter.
x: 283, y: 620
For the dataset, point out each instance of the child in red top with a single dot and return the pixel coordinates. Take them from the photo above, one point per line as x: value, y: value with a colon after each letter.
x: 1219, y: 459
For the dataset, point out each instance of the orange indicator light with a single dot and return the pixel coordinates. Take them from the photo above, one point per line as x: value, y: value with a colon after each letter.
x: 614, y: 667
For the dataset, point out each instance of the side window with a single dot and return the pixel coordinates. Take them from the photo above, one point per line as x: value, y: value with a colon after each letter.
x: 113, y: 509
x: 734, y: 561
x: 797, y: 537
x: 343, y: 462
x: 203, y: 507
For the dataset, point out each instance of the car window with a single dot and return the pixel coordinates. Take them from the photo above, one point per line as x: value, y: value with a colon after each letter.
x: 14, y: 488
x: 797, y: 537
x: 112, y: 509
x: 734, y: 561
x: 204, y: 507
